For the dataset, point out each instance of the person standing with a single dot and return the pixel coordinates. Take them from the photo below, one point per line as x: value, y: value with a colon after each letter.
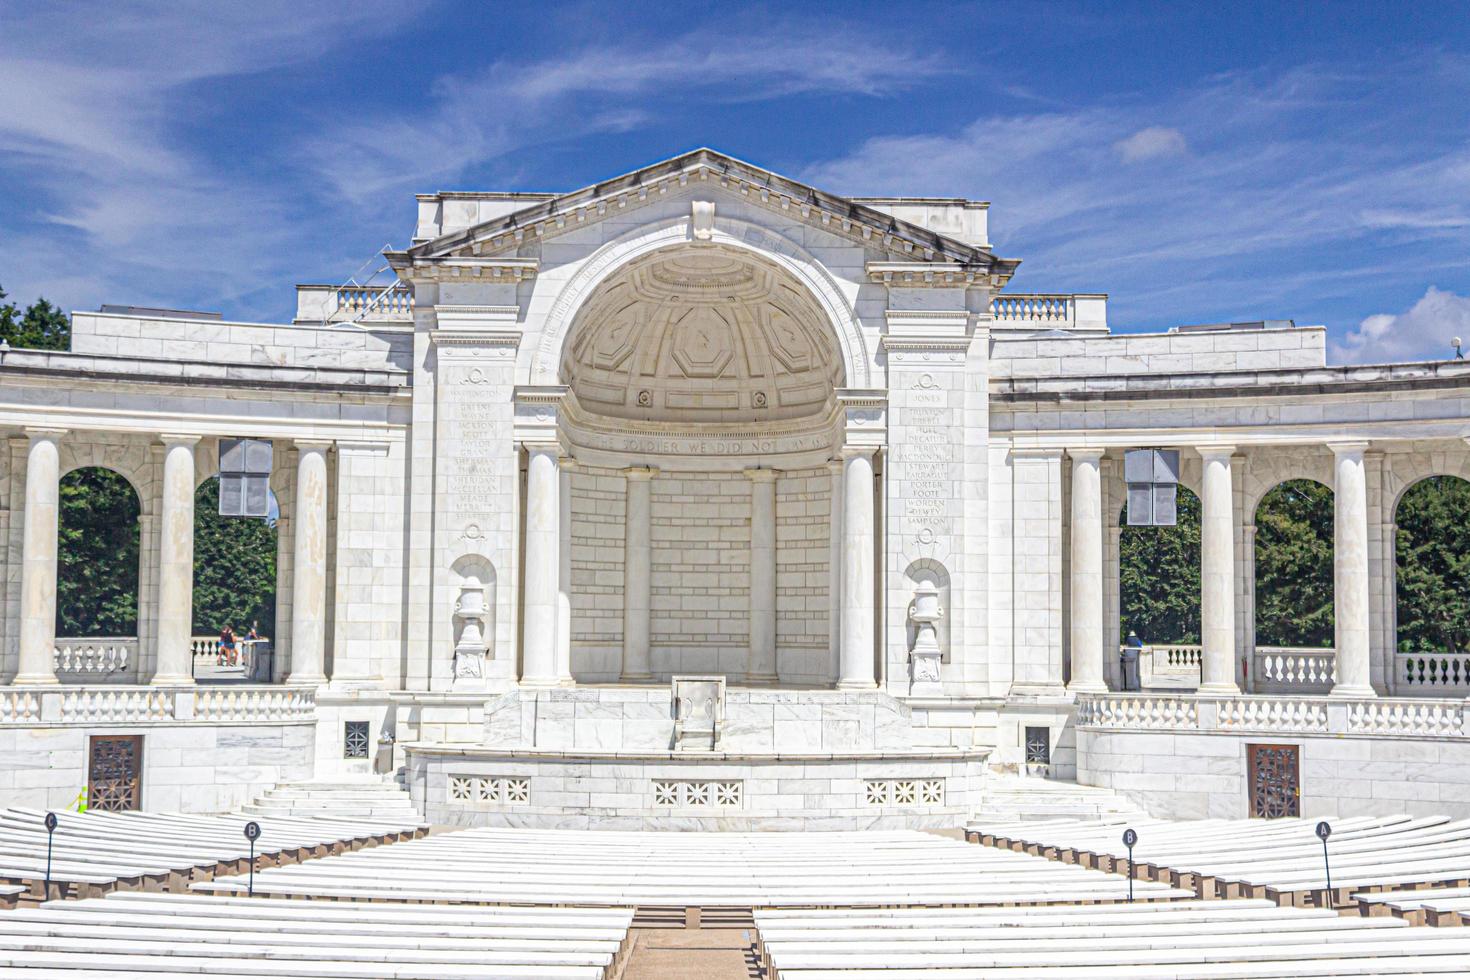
x: 227, y: 653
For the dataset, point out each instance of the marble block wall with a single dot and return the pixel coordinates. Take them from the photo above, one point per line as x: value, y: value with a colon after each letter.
x: 641, y: 719
x: 186, y: 768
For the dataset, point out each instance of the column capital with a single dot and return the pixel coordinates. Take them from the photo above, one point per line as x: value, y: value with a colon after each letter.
x: 44, y: 432
x: 1215, y: 452
x: 762, y: 475
x: 640, y: 472
x: 543, y: 448
x: 179, y: 438
x: 852, y: 452
x: 312, y: 445
x: 363, y: 447
x: 1088, y: 454
x: 1345, y: 447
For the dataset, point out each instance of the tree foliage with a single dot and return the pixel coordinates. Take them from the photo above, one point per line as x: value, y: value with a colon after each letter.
x: 1433, y: 554
x: 1294, y: 580
x: 41, y: 327
x: 97, y: 555
x: 234, y: 567
x: 1159, y: 584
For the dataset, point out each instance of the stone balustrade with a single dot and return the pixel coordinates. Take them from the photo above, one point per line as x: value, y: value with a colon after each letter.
x: 1169, y: 667
x: 1432, y: 673
x: 115, y: 704
x: 1066, y: 311
x: 1294, y: 670
x: 1267, y: 715
x: 96, y: 658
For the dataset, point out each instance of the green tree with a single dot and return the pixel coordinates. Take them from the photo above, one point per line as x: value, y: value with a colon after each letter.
x: 234, y: 567
x: 1433, y: 554
x: 1159, y: 584
x: 41, y: 327
x: 97, y: 555
x: 1294, y: 600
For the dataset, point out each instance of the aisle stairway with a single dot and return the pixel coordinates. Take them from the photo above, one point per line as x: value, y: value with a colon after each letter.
x: 1011, y: 798
x: 366, y: 797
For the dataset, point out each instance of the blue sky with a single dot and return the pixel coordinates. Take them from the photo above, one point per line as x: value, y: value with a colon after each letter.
x: 1197, y: 162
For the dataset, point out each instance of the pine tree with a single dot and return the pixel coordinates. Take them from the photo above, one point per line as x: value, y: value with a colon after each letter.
x: 97, y: 555
x: 41, y: 327
x: 234, y: 568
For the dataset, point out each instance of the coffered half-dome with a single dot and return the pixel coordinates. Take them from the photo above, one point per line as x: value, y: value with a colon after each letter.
x: 702, y: 333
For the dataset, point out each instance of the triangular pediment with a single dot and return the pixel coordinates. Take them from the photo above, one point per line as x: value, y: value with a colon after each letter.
x: 901, y: 240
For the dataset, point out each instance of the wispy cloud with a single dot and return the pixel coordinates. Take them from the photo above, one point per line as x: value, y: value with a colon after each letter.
x: 1154, y: 141
x: 94, y: 99
x: 484, y: 115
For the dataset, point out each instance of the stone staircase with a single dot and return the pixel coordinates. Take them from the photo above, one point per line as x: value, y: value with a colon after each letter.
x: 366, y: 797
x: 1015, y: 798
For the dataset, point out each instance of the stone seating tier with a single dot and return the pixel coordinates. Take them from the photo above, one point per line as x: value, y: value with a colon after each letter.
x: 97, y: 851
x: 1281, y: 859
x: 134, y: 935
x: 694, y: 869
x: 1169, y: 939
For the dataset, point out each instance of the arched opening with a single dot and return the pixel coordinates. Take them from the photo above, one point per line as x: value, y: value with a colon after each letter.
x: 235, y: 586
x: 1294, y: 602
x: 1159, y: 578
x: 1432, y: 552
x: 1294, y: 611
x: 98, y: 538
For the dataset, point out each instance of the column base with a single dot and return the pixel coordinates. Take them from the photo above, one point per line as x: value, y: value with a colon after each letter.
x: 857, y: 685
x: 171, y: 680
x: 1085, y: 688
x: 640, y: 678
x: 305, y: 680
x: 36, y: 680
x: 539, y: 683
x: 761, y: 680
x: 1224, y: 689
x: 1352, y: 691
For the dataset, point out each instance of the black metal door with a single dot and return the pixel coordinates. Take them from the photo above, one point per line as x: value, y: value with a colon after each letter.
x: 115, y: 772
x: 1275, y: 772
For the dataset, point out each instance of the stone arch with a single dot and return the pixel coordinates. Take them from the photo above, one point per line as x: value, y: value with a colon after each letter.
x: 99, y: 574
x: 131, y: 462
x: 1306, y: 572
x: 732, y: 233
x: 1404, y: 470
x: 1267, y: 470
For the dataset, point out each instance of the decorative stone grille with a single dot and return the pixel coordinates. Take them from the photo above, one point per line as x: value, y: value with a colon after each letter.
x: 698, y: 792
x: 1038, y: 745
x: 490, y: 790
x: 355, y: 740
x: 904, y: 792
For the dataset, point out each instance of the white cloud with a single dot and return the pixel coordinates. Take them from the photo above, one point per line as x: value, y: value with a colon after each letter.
x: 1155, y: 141
x: 1425, y: 332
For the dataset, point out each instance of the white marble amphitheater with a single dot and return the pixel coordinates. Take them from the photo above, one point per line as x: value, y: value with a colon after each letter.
x: 703, y: 499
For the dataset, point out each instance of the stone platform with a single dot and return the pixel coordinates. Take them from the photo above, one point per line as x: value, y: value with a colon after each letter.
x: 605, y: 758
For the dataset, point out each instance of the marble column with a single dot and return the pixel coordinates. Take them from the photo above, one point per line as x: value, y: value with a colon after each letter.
x: 1087, y: 572
x: 1350, y: 571
x: 564, y: 575
x: 38, y: 559
x: 857, y: 570
x: 760, y: 668
x: 543, y: 512
x: 637, y: 572
x: 834, y: 571
x: 309, y: 566
x: 1217, y: 572
x: 175, y: 661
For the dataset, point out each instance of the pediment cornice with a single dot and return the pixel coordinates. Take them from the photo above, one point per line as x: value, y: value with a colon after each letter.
x: 860, y: 223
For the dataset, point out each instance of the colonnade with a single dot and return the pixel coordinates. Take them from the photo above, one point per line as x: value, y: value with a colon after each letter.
x: 546, y: 660
x: 174, y: 663
x: 1218, y: 571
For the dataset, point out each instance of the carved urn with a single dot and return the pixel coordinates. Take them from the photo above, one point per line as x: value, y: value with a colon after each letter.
x: 924, y: 657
